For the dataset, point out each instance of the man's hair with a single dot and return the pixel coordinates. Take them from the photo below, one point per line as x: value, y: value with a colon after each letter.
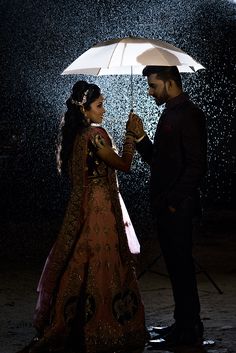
x: 164, y: 73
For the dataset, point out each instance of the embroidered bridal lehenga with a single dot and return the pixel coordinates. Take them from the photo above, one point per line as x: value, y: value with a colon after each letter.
x: 89, y: 300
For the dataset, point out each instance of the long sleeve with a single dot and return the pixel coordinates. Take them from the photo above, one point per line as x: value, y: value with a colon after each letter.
x: 194, y: 143
x: 145, y: 148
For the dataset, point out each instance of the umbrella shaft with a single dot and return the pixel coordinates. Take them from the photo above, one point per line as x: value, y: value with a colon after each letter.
x: 131, y: 89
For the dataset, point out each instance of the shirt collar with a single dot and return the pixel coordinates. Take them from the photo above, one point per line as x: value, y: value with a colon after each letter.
x: 181, y: 98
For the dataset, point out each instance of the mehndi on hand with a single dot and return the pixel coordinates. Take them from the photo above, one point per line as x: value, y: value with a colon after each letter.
x: 134, y: 126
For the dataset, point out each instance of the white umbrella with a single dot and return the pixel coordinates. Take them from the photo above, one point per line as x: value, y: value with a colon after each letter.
x: 128, y: 56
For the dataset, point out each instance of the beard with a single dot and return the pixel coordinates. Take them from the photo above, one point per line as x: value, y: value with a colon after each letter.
x: 162, y: 98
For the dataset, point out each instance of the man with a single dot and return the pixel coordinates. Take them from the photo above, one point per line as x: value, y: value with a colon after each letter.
x: 177, y: 160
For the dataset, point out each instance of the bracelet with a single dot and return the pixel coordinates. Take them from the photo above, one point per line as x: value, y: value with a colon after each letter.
x: 140, y: 138
x: 130, y: 133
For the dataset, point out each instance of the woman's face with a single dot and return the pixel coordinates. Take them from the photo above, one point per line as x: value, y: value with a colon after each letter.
x: 95, y: 114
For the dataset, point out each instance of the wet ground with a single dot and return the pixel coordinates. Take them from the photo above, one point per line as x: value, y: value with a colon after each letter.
x: 214, y: 251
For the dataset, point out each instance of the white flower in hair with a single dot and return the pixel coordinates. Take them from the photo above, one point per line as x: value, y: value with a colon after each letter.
x: 84, y: 99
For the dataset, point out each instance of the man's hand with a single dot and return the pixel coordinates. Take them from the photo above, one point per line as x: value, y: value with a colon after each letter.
x: 135, y: 125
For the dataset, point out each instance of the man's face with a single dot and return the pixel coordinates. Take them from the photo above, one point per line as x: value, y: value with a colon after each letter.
x: 157, y: 89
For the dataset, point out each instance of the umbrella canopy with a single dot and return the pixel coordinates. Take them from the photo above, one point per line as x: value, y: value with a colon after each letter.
x: 128, y: 56
x: 125, y: 56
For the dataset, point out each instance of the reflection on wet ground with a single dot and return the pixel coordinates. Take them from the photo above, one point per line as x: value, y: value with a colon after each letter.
x: 206, y: 347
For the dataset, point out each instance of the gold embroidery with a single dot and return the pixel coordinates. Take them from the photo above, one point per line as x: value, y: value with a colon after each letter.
x: 82, y: 267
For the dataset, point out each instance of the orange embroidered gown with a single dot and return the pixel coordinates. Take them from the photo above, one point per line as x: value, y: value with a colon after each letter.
x: 89, y: 300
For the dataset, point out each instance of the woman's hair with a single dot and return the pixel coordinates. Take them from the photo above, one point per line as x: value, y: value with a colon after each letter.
x: 74, y: 121
x: 164, y: 73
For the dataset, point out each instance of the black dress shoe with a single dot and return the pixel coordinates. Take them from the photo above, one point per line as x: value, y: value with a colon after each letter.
x: 179, y: 336
x: 163, y: 330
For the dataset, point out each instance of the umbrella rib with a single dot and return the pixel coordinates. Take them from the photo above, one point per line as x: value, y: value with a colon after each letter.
x: 112, y: 55
x: 123, y: 53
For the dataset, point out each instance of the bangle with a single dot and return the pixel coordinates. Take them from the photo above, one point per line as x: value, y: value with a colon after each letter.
x: 137, y: 140
x: 130, y: 133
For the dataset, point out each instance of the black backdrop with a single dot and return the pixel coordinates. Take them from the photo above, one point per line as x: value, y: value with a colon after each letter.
x: 39, y: 39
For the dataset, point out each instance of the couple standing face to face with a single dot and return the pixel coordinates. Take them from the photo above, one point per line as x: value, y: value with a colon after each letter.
x: 160, y: 89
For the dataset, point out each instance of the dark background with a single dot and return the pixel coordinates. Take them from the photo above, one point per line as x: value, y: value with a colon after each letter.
x: 39, y: 39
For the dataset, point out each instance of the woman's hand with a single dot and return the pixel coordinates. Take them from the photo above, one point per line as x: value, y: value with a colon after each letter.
x: 98, y: 142
x: 111, y: 158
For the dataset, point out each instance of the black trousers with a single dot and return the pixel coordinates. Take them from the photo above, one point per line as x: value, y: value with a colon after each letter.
x: 175, y: 237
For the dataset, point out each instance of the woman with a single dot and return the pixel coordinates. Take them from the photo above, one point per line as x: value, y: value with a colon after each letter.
x: 89, y: 299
